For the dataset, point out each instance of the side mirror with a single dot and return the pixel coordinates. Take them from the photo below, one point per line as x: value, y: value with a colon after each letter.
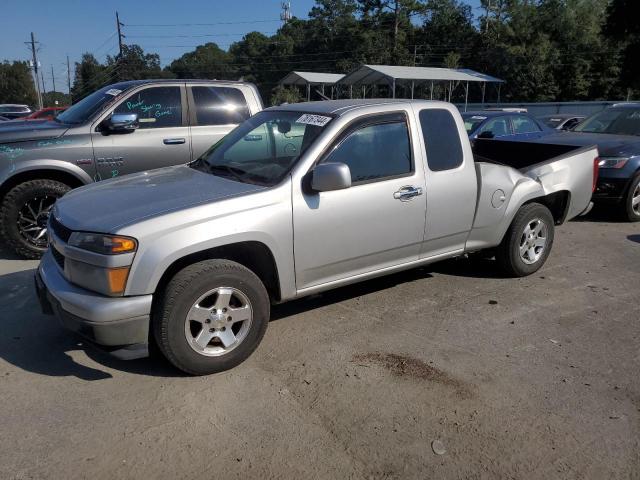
x: 121, y: 123
x: 486, y: 134
x: 330, y: 176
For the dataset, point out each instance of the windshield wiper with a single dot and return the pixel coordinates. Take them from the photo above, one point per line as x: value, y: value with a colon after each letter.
x: 235, y: 172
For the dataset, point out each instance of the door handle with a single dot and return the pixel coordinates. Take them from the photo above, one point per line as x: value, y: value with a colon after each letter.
x: 407, y: 193
x: 173, y: 141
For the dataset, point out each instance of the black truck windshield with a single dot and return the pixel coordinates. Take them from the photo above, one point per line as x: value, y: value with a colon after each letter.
x: 86, y: 108
x: 617, y: 121
x: 264, y: 148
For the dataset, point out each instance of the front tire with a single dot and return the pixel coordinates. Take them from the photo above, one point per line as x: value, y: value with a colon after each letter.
x: 211, y: 316
x: 632, y: 201
x: 24, y: 214
x: 527, y: 243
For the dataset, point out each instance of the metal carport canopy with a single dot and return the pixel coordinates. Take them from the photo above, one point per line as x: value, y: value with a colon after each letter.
x: 314, y: 78
x: 372, y: 74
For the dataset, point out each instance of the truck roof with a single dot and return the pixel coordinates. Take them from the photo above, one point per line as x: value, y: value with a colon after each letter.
x: 340, y: 107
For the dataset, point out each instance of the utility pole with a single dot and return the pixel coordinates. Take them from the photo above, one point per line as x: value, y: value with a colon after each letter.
x: 53, y: 79
x: 44, y: 89
x: 35, y: 68
x: 120, y: 35
x: 69, y: 79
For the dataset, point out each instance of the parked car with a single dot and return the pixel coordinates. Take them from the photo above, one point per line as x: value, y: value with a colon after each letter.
x: 13, y: 110
x: 48, y: 113
x: 4, y: 119
x: 616, y: 132
x: 503, y: 124
x: 561, y: 121
x: 298, y: 199
x: 122, y: 128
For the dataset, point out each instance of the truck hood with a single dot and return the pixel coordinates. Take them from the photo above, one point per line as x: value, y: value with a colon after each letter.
x: 608, y: 145
x: 25, y: 130
x: 112, y: 204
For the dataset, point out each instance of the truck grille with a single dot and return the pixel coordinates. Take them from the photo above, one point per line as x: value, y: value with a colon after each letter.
x: 57, y: 256
x: 62, y: 232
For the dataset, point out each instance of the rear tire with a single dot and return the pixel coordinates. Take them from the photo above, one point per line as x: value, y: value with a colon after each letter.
x: 632, y: 201
x: 190, y: 327
x: 527, y: 243
x: 23, y: 215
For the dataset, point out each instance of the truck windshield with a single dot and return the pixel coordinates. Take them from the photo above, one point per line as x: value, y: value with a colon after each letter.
x: 86, y: 108
x: 264, y: 148
x: 618, y: 121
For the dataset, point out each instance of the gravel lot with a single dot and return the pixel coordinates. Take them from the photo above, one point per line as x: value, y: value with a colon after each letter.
x: 528, y: 378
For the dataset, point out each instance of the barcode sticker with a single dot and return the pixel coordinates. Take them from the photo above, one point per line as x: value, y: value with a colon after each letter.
x: 317, y: 120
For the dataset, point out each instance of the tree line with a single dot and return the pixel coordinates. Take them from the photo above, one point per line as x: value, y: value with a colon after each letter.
x: 545, y: 50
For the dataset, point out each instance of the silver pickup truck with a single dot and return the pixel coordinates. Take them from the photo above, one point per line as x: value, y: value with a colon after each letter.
x: 297, y: 200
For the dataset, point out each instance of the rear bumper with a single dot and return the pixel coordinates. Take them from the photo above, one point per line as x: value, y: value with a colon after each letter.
x: 119, y: 325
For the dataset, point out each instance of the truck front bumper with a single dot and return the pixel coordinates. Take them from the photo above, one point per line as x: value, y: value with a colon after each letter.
x: 119, y: 325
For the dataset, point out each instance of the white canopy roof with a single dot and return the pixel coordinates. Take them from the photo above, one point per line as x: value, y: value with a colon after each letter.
x: 372, y: 74
x: 313, y: 78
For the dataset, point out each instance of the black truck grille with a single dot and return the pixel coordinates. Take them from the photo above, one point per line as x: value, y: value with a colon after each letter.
x: 62, y: 232
x: 57, y: 256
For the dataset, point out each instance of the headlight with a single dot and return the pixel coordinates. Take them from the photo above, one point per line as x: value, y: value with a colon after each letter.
x: 104, y: 244
x: 613, y: 162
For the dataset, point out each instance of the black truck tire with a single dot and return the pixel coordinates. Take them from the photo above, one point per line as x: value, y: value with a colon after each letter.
x: 528, y: 241
x: 192, y: 321
x: 23, y: 215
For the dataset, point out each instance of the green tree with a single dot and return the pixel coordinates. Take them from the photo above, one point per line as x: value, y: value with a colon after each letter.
x: 16, y: 83
x: 206, y: 61
x: 623, y: 27
x: 49, y: 99
x: 89, y: 76
x: 135, y: 64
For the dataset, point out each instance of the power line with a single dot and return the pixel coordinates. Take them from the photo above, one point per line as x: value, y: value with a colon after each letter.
x: 199, y: 24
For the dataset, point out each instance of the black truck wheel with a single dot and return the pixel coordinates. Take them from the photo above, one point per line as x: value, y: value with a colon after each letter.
x: 527, y: 243
x: 211, y: 316
x: 24, y: 214
x: 632, y: 201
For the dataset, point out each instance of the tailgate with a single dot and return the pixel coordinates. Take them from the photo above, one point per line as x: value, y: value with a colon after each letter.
x: 573, y: 172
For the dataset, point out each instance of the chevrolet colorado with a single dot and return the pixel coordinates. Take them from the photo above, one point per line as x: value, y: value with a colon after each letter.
x: 296, y: 200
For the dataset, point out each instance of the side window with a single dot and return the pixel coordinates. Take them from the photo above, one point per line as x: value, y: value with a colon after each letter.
x: 498, y: 126
x: 375, y: 152
x: 441, y: 139
x: 219, y: 105
x: 157, y: 107
x: 522, y: 124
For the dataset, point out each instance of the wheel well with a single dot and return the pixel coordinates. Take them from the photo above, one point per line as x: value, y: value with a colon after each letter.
x: 58, y: 175
x: 255, y: 256
x: 557, y: 203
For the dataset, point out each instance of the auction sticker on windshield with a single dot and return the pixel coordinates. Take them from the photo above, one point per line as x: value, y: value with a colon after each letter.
x: 113, y: 91
x: 317, y: 120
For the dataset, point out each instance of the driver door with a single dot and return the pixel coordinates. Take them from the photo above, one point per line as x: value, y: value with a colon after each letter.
x: 161, y: 140
x: 370, y: 225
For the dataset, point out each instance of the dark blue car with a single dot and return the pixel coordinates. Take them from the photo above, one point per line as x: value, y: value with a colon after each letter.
x: 502, y: 124
x: 616, y: 132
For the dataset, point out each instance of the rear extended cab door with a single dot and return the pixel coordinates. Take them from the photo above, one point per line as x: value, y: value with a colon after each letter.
x: 216, y: 109
x: 451, y: 182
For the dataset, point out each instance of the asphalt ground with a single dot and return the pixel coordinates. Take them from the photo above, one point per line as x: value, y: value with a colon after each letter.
x: 447, y: 371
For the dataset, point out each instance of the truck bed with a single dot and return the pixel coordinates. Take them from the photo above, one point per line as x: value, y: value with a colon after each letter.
x: 519, y: 155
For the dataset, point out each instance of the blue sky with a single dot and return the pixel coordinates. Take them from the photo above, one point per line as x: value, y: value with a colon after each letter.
x: 71, y: 27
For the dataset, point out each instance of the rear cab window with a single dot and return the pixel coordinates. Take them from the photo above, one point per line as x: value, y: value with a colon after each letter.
x: 217, y: 105
x: 441, y: 139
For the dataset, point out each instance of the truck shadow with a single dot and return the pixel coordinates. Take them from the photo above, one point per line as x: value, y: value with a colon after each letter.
x: 38, y: 343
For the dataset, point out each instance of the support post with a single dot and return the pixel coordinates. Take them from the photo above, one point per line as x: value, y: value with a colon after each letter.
x: 499, y: 85
x: 308, y: 92
x: 394, y: 89
x: 466, y: 96
x: 351, y: 91
x: 412, y: 87
x: 431, y: 89
x: 484, y: 86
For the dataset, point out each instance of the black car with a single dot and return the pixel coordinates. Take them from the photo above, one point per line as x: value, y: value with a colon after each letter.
x: 561, y: 121
x: 12, y: 110
x: 616, y: 132
x: 504, y: 125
